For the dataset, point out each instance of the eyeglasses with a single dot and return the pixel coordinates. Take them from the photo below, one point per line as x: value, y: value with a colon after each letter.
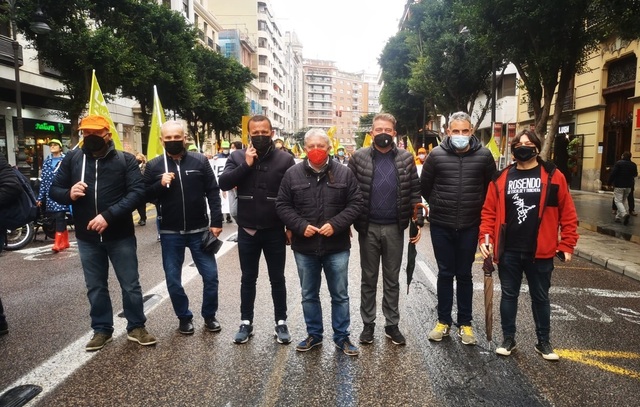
x: 464, y: 132
x: 381, y: 130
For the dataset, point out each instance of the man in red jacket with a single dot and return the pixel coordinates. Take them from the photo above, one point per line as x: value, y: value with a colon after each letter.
x: 527, y: 202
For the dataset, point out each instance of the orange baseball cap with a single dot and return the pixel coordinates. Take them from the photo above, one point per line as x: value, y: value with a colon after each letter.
x: 94, y: 122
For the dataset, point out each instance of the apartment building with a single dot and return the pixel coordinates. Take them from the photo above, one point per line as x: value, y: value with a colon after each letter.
x: 256, y: 19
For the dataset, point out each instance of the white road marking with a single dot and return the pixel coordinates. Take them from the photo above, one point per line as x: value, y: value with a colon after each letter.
x: 64, y: 363
x: 431, y: 276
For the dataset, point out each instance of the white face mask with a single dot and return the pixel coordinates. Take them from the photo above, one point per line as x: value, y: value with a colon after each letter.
x: 422, y: 156
x: 460, y: 142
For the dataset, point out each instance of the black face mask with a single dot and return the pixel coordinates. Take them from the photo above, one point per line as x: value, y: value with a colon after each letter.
x: 174, y: 147
x: 261, y: 143
x: 524, y: 153
x: 94, y: 143
x: 383, y: 140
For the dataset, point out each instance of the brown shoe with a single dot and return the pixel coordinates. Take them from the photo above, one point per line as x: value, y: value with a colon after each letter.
x: 141, y: 336
x: 97, y: 342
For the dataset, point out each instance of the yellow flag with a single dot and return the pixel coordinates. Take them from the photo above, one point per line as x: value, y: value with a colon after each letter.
x: 245, y: 130
x: 493, y: 147
x: 410, y: 146
x: 154, y: 146
x: 97, y: 105
x: 331, y: 132
x: 367, y: 140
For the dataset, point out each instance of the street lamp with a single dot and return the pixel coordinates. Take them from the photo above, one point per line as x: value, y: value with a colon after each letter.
x: 39, y: 26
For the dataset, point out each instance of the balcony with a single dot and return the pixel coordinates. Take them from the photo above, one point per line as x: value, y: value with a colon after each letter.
x: 6, y: 51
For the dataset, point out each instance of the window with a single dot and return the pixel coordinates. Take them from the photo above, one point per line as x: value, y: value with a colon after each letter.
x: 507, y: 86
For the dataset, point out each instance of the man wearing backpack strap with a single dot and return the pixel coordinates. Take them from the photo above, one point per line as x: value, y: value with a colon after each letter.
x: 105, y: 186
x: 10, y: 188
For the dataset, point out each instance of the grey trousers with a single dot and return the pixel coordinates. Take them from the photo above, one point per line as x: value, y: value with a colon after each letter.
x: 386, y: 242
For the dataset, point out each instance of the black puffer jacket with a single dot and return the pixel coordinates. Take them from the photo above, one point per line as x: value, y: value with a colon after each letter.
x: 408, y: 189
x: 454, y: 185
x: 10, y: 187
x: 182, y: 206
x: 114, y: 190
x: 310, y: 198
x: 258, y: 186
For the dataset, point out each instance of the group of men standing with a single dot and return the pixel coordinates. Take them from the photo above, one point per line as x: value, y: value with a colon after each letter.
x: 311, y: 206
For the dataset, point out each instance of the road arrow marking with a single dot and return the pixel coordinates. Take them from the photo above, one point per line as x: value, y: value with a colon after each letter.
x: 591, y: 358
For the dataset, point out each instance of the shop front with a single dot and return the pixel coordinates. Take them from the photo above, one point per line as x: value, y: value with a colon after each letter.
x: 37, y: 135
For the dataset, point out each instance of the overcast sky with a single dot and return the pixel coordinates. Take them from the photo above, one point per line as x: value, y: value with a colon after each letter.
x: 350, y: 32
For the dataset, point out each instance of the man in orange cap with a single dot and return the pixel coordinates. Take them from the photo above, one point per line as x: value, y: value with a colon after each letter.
x: 422, y: 155
x: 105, y: 186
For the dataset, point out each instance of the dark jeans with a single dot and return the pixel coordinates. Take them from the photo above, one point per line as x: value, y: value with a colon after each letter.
x: 60, y: 219
x: 142, y: 211
x: 95, y: 264
x: 3, y: 319
x: 173, y: 248
x: 538, y: 272
x: 455, y: 251
x: 272, y: 243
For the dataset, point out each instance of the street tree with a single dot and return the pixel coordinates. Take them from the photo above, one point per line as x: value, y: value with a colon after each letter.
x: 548, y: 42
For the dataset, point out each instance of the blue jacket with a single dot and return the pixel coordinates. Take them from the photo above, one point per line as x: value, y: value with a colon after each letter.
x: 49, y: 170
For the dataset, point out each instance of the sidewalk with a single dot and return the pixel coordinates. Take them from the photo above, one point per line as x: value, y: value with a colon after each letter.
x: 612, y: 245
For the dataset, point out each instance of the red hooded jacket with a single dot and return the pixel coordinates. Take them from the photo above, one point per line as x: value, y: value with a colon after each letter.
x: 556, y: 211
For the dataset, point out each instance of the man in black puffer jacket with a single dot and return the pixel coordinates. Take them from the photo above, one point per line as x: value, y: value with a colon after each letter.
x: 390, y: 189
x: 182, y: 184
x: 454, y: 183
x: 318, y: 201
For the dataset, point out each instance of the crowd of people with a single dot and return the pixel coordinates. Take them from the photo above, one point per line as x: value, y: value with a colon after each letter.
x: 512, y: 215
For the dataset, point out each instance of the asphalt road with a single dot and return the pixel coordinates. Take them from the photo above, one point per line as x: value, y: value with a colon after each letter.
x: 595, y: 326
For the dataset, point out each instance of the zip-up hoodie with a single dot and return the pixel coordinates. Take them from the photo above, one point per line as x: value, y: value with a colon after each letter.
x: 556, y: 210
x: 114, y: 190
x: 182, y: 207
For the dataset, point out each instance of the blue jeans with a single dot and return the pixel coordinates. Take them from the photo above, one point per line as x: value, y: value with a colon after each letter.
x: 455, y: 251
x: 538, y: 272
x: 272, y: 243
x: 336, y: 268
x: 173, y: 248
x: 95, y: 263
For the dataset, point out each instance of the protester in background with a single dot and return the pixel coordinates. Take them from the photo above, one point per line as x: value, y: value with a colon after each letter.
x: 279, y: 144
x: 224, y: 152
x: 526, y: 204
x: 421, y: 156
x: 454, y: 182
x: 193, y: 148
x: 10, y: 190
x: 341, y: 156
x: 53, y: 209
x: 318, y: 201
x: 388, y: 179
x: 623, y: 179
x: 257, y: 173
x: 630, y: 200
x: 182, y: 192
x: 105, y: 186
x: 142, y: 208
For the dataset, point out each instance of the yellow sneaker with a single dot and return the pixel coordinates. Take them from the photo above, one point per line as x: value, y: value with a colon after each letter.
x: 440, y: 331
x: 466, y: 335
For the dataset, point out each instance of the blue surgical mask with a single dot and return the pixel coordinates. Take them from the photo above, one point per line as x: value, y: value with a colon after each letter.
x: 460, y: 142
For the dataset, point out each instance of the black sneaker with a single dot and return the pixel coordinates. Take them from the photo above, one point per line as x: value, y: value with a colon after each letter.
x: 282, y: 332
x: 625, y: 219
x: 186, y: 327
x: 212, y: 324
x: 366, y: 337
x: 508, y: 346
x: 392, y: 332
x: 546, y: 350
x: 308, y: 344
x: 244, y: 333
x: 4, y: 328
